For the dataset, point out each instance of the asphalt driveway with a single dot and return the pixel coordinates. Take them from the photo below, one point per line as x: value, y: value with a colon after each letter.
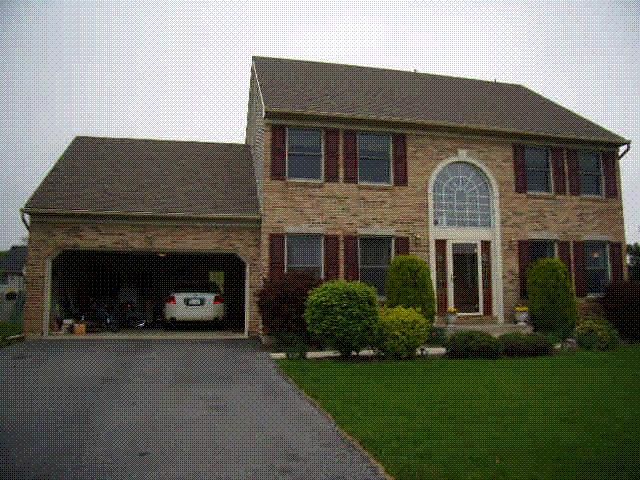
x: 161, y: 409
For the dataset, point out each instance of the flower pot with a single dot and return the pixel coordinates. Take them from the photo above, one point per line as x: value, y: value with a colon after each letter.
x: 79, y: 328
x: 451, y: 318
x: 522, y: 317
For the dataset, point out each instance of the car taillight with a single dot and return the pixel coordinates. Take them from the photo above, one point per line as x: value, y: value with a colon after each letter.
x: 171, y: 300
x: 217, y: 300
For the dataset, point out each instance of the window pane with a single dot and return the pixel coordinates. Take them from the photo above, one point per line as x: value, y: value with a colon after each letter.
x: 595, y: 255
x: 313, y: 271
x: 538, y: 181
x: 589, y: 161
x: 376, y: 277
x: 374, y: 170
x: 536, y: 157
x: 304, y: 141
x: 305, y: 166
x: 462, y: 197
x: 304, y: 251
x: 375, y: 251
x: 541, y: 249
x: 596, y: 281
x: 374, y: 145
x: 590, y: 184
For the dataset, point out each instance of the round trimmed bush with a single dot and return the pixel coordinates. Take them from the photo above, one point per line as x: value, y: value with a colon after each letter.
x: 596, y: 333
x: 343, y: 315
x: 470, y: 344
x: 552, y: 301
x: 401, y: 331
x: 409, y: 285
x: 520, y: 345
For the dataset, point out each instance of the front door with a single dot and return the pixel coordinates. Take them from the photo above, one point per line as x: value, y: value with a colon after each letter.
x: 465, y: 263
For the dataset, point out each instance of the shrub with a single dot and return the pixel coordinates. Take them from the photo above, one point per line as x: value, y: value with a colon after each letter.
x: 596, y: 333
x: 342, y: 315
x: 437, y: 337
x: 292, y: 344
x: 401, y: 331
x: 621, y: 305
x: 521, y: 345
x: 470, y: 344
x: 552, y: 301
x: 281, y: 302
x: 409, y: 285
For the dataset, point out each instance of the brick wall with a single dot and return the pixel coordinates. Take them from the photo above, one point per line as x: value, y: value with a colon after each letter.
x: 47, y: 239
x: 339, y: 208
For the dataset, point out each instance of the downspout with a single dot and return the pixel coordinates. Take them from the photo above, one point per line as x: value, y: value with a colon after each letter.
x: 625, y: 151
x: 24, y: 219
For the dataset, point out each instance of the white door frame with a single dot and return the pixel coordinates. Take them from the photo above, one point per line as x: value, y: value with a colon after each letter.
x: 470, y: 235
x: 450, y: 280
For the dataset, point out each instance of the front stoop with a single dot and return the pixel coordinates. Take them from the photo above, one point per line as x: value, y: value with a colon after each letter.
x: 484, y: 324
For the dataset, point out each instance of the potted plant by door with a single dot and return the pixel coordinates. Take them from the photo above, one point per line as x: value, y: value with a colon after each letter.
x: 452, y: 315
x: 522, y: 315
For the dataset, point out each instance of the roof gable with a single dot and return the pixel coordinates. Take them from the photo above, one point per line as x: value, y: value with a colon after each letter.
x: 314, y: 88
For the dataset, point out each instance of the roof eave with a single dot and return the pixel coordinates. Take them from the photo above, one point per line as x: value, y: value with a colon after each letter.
x: 275, y: 113
x: 249, y: 218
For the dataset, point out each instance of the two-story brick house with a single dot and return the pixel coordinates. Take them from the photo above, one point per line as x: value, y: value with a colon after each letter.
x: 352, y: 166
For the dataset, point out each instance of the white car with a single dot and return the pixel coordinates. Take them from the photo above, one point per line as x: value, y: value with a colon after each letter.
x: 193, y: 306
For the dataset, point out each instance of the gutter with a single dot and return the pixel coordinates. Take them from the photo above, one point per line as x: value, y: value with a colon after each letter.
x: 24, y: 219
x: 123, y: 214
x: 274, y: 113
x: 625, y: 151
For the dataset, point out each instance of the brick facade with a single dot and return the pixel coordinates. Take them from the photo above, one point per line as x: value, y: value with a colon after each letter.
x: 346, y: 209
x: 48, y: 238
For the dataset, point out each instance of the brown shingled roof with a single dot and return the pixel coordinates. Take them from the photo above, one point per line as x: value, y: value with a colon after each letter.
x: 326, y: 89
x: 102, y: 175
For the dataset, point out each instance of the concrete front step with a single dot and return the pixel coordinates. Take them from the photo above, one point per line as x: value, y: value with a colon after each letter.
x: 495, y: 329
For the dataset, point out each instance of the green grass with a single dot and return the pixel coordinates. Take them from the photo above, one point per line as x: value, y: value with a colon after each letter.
x: 7, y: 329
x: 572, y: 416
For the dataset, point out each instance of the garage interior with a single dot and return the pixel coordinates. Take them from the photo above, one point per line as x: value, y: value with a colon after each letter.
x: 82, y: 279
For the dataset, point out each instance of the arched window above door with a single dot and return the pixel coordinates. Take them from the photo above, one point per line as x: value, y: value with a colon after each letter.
x: 462, y: 197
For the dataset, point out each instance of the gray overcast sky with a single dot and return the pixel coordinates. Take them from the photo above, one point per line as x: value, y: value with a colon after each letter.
x: 181, y: 71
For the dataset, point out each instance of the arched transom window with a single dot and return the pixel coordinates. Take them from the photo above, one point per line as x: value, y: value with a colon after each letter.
x: 462, y: 197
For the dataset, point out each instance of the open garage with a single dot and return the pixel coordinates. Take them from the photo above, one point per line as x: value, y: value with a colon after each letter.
x: 122, y: 222
x: 132, y: 288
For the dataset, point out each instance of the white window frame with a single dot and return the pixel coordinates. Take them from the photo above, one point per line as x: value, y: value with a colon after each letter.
x: 391, y: 257
x: 602, y: 185
x: 586, y: 268
x: 379, y: 184
x: 286, y: 142
x: 286, y: 249
x: 550, y: 163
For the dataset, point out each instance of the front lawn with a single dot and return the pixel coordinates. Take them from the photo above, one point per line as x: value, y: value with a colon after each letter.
x: 8, y: 329
x: 572, y: 416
